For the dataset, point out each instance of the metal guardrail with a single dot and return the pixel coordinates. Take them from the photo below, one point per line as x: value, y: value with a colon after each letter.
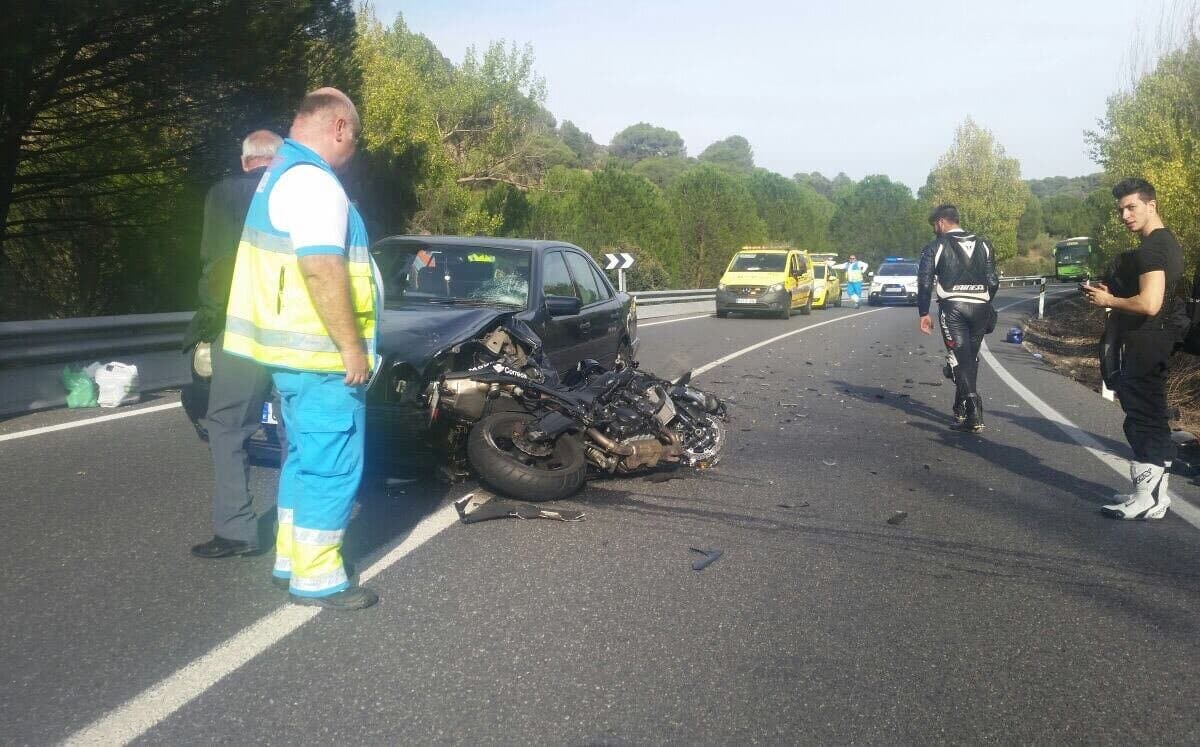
x: 1017, y: 280
x: 34, y: 353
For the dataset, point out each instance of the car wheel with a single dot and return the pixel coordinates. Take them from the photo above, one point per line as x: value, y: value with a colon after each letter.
x: 786, y: 313
x: 807, y: 308
x: 838, y: 302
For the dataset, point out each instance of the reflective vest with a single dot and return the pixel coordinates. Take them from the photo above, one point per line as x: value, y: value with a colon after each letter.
x: 854, y: 272
x: 271, y: 317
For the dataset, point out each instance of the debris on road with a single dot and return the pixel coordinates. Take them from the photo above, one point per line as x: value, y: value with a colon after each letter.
x: 829, y: 462
x: 710, y: 557
x: 481, y: 505
x: 898, y: 517
x: 803, y: 504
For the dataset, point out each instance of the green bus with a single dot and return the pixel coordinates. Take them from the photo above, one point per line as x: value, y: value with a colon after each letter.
x: 1071, y: 258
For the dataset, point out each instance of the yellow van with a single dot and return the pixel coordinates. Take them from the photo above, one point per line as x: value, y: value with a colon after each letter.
x: 774, y: 279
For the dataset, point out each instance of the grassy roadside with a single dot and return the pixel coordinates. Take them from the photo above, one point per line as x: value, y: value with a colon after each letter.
x: 1068, y: 339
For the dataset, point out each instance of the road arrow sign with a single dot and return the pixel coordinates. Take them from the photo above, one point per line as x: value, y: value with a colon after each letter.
x: 622, y: 261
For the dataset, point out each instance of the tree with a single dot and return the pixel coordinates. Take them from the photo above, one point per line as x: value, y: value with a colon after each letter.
x: 1152, y: 132
x: 581, y: 143
x: 662, y: 170
x: 644, y: 140
x: 876, y: 218
x: 791, y: 212
x: 985, y: 184
x: 1031, y: 223
x: 732, y: 153
x: 1066, y: 216
x: 611, y: 207
x: 1076, y: 186
x: 114, y: 116
x: 716, y: 216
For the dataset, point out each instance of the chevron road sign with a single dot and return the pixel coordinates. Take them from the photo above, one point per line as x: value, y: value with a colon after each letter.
x: 622, y: 261
x: 619, y: 262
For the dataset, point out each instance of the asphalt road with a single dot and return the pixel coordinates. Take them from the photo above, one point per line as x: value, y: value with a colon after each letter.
x: 1004, y: 608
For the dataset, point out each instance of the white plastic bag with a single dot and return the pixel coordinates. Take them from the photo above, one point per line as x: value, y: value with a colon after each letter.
x: 118, y: 384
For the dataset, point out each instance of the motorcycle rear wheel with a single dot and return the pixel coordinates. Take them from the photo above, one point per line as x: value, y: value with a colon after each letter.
x: 494, y: 450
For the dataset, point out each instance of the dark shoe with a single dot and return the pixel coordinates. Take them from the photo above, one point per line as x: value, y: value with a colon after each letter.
x: 960, y: 412
x: 354, y: 598
x: 219, y: 547
x: 974, y: 420
x: 281, y: 583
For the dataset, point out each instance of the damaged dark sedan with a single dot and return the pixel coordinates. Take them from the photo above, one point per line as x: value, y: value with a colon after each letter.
x: 443, y: 291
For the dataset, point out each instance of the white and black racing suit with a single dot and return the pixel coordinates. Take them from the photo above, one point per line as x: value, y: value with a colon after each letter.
x: 959, y: 268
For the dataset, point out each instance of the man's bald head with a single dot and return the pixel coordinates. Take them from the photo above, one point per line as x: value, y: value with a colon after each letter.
x: 325, y: 104
x: 328, y: 123
x: 258, y: 148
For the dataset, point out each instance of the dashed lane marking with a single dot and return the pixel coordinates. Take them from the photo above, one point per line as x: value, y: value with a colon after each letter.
x: 152, y: 706
x: 1182, y: 508
x: 89, y: 421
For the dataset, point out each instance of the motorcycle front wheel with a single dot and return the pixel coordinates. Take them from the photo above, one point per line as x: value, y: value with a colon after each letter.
x: 498, y: 451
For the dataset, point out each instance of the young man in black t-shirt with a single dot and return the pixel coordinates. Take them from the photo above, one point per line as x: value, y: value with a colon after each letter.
x: 1141, y: 294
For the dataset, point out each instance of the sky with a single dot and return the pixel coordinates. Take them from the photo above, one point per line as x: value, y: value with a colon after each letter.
x: 864, y: 87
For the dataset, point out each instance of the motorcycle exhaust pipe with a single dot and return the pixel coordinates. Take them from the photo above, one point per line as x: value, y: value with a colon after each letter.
x: 609, y: 444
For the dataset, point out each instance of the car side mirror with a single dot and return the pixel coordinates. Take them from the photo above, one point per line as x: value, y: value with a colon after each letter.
x: 563, y: 305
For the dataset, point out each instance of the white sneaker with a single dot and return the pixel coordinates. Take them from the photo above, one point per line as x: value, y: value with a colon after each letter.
x: 1149, y: 483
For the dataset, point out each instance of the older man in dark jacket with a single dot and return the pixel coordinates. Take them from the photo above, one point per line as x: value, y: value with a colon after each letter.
x: 238, y: 387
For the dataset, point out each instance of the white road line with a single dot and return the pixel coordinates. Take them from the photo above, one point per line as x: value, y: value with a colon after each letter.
x: 89, y: 421
x: 144, y: 711
x: 777, y: 338
x: 141, y: 713
x: 1185, y: 510
x: 672, y: 321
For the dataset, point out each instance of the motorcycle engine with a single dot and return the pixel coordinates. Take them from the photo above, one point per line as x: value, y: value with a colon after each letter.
x: 625, y: 422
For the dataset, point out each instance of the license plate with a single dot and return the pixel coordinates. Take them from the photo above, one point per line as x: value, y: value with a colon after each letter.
x: 747, y: 300
x: 268, y: 414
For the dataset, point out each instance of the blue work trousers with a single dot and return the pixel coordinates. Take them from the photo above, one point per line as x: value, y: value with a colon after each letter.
x: 325, y: 421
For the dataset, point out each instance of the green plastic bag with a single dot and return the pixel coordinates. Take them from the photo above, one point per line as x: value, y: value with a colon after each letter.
x: 81, y: 390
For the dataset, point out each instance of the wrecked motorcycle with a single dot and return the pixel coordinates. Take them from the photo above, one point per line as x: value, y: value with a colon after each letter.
x: 535, y: 436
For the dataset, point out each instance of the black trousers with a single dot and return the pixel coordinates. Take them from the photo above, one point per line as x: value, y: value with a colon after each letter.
x: 963, y: 326
x: 1142, y: 388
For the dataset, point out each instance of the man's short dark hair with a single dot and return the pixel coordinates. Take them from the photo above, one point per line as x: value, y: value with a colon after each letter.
x: 945, y: 210
x: 1140, y: 187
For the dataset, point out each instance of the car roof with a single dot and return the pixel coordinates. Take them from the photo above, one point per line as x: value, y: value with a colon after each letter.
x: 476, y: 241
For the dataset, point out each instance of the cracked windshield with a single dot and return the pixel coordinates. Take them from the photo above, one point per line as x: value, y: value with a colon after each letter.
x: 458, y: 276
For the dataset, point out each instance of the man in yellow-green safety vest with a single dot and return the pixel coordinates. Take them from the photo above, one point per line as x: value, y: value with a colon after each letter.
x: 854, y: 277
x: 303, y: 302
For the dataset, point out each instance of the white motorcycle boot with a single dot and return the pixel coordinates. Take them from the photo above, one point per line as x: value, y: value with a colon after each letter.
x: 1145, y: 501
x: 1160, y: 493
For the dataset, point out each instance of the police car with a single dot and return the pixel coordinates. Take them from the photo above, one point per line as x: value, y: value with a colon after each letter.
x: 894, y: 282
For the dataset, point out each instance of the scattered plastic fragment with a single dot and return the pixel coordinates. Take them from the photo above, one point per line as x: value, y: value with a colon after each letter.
x: 829, y: 462
x: 710, y: 557
x: 481, y: 506
x: 803, y: 504
x: 898, y: 517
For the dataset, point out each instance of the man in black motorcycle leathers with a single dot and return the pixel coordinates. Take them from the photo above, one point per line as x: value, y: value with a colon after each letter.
x: 959, y: 268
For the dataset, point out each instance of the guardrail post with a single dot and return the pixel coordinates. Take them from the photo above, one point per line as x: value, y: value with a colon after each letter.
x: 621, y: 280
x: 1042, y: 298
